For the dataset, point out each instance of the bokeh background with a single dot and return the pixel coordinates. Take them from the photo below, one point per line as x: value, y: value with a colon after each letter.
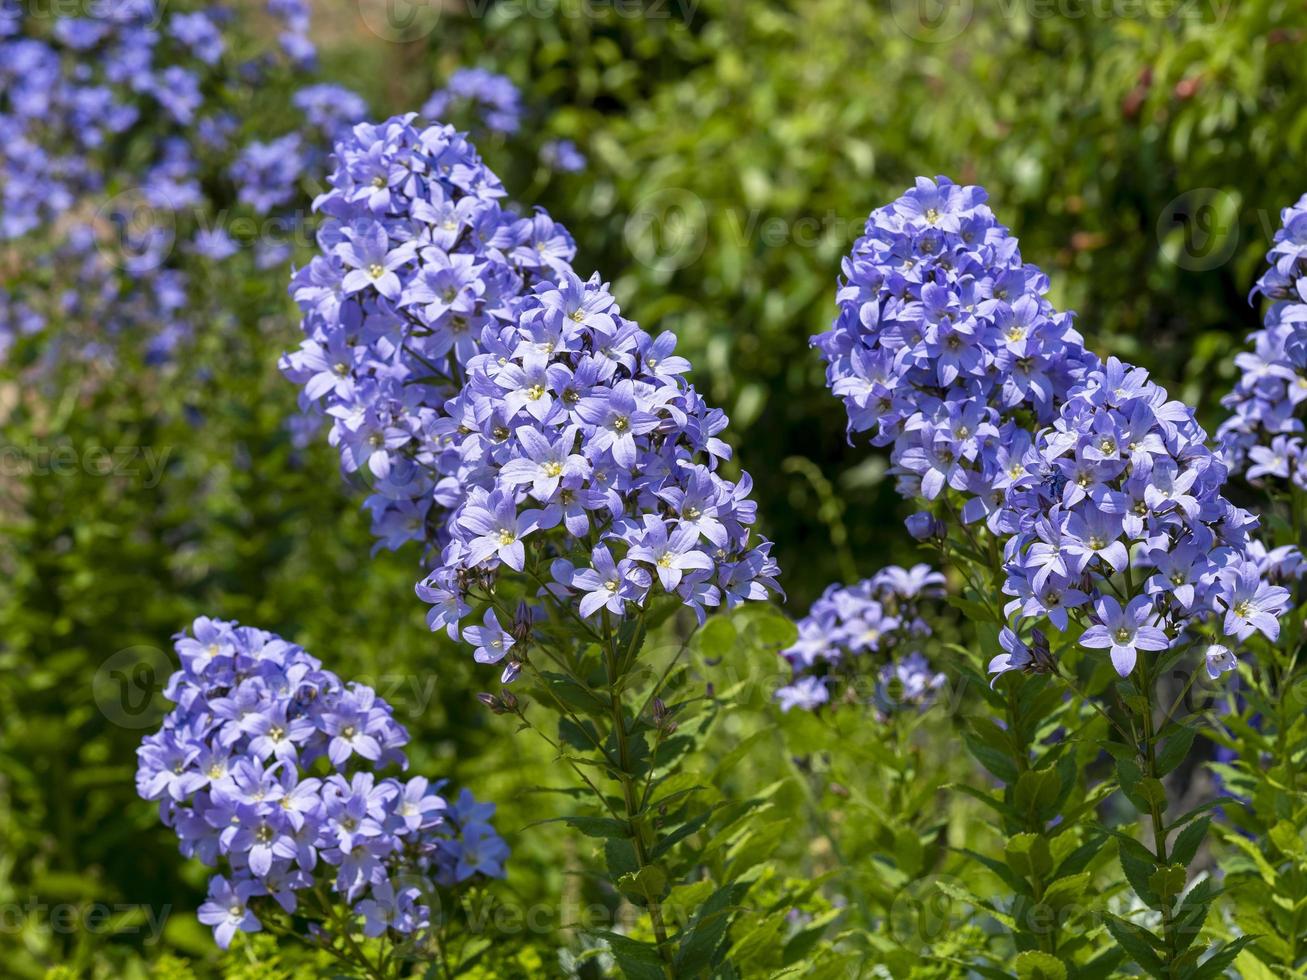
x: 1140, y: 149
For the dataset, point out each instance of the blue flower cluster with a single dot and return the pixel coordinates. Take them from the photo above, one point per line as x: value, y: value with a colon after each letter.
x: 595, y: 466
x: 421, y: 266
x: 945, y: 346
x: 1123, y: 482
x: 479, y: 98
x: 230, y: 768
x: 877, y: 620
x: 1264, y: 434
x: 162, y: 88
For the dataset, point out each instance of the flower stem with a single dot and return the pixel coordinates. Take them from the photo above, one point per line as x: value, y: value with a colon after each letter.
x: 632, y: 804
x: 1156, y: 809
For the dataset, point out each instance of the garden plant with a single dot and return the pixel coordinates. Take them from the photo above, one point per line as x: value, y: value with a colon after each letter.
x: 658, y: 490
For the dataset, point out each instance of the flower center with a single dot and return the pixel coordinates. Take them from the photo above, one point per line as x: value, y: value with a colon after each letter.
x: 1096, y: 543
x: 535, y: 392
x: 341, y: 368
x: 932, y: 216
x: 1123, y: 635
x: 506, y: 536
x: 1106, y: 446
x: 1177, y: 578
x: 612, y: 585
x: 376, y: 270
x: 378, y: 181
x: 621, y: 423
x: 552, y: 468
x: 349, y: 731
x: 1243, y: 608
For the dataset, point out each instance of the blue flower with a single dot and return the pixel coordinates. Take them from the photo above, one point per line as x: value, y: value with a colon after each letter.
x: 491, y: 640
x: 1124, y: 631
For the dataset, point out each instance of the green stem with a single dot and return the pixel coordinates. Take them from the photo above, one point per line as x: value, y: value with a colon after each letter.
x: 1156, y: 809
x: 626, y: 777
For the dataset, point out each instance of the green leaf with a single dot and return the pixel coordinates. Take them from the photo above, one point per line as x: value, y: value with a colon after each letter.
x: 1189, y: 840
x: 1034, y: 965
x: 996, y: 762
x: 583, y: 737
x: 1138, y: 943
x: 1028, y: 856
x: 1215, y: 967
x: 717, y: 637
x: 1036, y: 790
x: 1168, y: 882
x: 775, y: 628
x: 1175, y: 750
x: 648, y: 884
x: 1286, y: 837
x: 1065, y: 891
x: 637, y: 961
x: 704, y: 935
x: 1138, y: 865
x: 602, y: 827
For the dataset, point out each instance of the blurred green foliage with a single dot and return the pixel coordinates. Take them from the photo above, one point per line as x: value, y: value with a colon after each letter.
x: 1141, y: 151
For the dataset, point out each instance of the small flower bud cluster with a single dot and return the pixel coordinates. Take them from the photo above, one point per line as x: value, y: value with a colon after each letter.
x: 870, y: 631
x: 478, y: 97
